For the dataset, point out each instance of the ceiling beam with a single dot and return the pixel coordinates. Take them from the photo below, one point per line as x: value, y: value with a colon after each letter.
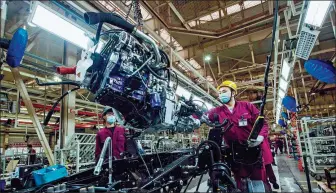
x: 213, y: 46
x: 177, y: 13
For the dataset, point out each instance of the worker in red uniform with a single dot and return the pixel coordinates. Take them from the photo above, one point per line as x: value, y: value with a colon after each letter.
x: 243, y: 116
x: 268, y: 160
x: 111, y: 129
x: 32, y: 155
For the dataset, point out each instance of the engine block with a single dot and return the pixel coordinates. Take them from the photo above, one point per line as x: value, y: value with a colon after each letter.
x: 130, y: 75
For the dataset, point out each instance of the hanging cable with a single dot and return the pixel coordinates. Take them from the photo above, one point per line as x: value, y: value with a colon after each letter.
x: 51, y: 112
x: 259, y: 123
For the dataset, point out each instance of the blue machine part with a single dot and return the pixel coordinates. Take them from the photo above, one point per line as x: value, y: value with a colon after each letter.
x: 49, y: 174
x: 17, y: 48
x: 155, y: 100
x: 282, y: 123
x: 117, y: 83
x: 284, y: 115
x: 289, y: 103
x: 321, y: 70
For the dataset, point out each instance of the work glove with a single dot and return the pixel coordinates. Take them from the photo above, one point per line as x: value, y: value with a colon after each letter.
x: 256, y: 142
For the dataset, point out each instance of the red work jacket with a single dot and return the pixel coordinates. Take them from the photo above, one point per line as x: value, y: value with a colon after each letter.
x: 246, y: 110
x: 118, y: 141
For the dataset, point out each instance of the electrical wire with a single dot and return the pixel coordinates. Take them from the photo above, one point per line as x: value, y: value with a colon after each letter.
x: 141, y: 67
x: 51, y: 112
x: 269, y: 58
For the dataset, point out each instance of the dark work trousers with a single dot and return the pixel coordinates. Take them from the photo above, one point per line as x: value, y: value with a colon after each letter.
x: 270, y: 173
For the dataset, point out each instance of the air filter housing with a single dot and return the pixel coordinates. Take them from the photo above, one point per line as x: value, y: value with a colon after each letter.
x: 306, y: 42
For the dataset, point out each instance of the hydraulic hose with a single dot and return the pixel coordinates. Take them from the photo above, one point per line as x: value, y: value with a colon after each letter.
x: 56, y: 83
x: 212, y: 143
x: 51, y: 112
x: 4, y: 43
x: 93, y: 18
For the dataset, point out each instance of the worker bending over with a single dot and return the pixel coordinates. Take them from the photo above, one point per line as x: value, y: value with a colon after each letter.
x: 242, y: 115
x: 111, y: 129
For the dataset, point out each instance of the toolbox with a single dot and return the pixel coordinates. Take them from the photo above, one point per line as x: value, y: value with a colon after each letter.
x: 49, y: 174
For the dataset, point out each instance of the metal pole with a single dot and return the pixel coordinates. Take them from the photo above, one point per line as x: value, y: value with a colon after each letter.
x: 275, y: 66
x: 307, y: 173
x: 77, y: 157
x: 218, y: 63
x: 17, y: 109
x: 110, y: 163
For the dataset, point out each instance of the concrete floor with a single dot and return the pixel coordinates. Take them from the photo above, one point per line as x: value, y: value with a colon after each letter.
x: 288, y: 175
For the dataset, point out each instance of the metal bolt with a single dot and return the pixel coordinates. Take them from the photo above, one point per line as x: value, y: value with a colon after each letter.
x: 181, y: 182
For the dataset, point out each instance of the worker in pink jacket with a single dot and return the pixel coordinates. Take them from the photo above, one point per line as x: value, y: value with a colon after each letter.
x: 268, y: 160
x: 116, y: 133
x: 243, y: 115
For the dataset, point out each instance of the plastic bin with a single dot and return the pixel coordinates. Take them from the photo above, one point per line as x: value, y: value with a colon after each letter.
x: 49, y: 174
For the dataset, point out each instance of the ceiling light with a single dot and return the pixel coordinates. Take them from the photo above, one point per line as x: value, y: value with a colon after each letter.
x: 316, y: 12
x: 207, y: 58
x: 53, y: 22
x: 286, y: 69
x: 283, y: 84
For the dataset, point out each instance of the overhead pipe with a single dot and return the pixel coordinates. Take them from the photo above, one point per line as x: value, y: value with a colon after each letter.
x: 5, y: 84
x: 275, y: 64
x: 3, y: 17
x: 78, y: 126
x: 48, y: 107
x: 254, y: 20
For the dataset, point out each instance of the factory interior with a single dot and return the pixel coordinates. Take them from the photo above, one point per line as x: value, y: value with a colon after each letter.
x: 165, y: 96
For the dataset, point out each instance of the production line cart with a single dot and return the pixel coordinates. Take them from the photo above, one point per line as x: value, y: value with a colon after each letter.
x: 317, y: 140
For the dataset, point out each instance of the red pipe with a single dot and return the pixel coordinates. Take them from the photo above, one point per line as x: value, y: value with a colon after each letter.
x: 66, y: 70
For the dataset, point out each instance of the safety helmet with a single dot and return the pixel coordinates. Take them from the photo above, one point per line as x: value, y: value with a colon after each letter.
x: 106, y: 110
x: 228, y: 83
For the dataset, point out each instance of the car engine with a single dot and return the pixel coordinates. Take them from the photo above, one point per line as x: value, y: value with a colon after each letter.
x: 131, y: 74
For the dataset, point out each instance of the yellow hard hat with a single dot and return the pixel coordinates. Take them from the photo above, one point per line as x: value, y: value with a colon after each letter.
x: 229, y: 84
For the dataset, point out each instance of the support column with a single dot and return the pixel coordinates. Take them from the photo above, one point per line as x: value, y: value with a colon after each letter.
x: 67, y: 121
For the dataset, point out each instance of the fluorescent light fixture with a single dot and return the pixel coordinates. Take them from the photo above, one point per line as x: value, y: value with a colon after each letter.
x: 316, y: 12
x: 283, y: 84
x: 281, y: 94
x: 207, y: 58
x: 180, y: 91
x: 286, y: 69
x: 53, y: 22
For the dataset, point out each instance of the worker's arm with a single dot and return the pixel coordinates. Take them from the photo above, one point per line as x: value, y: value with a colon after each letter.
x: 255, y: 113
